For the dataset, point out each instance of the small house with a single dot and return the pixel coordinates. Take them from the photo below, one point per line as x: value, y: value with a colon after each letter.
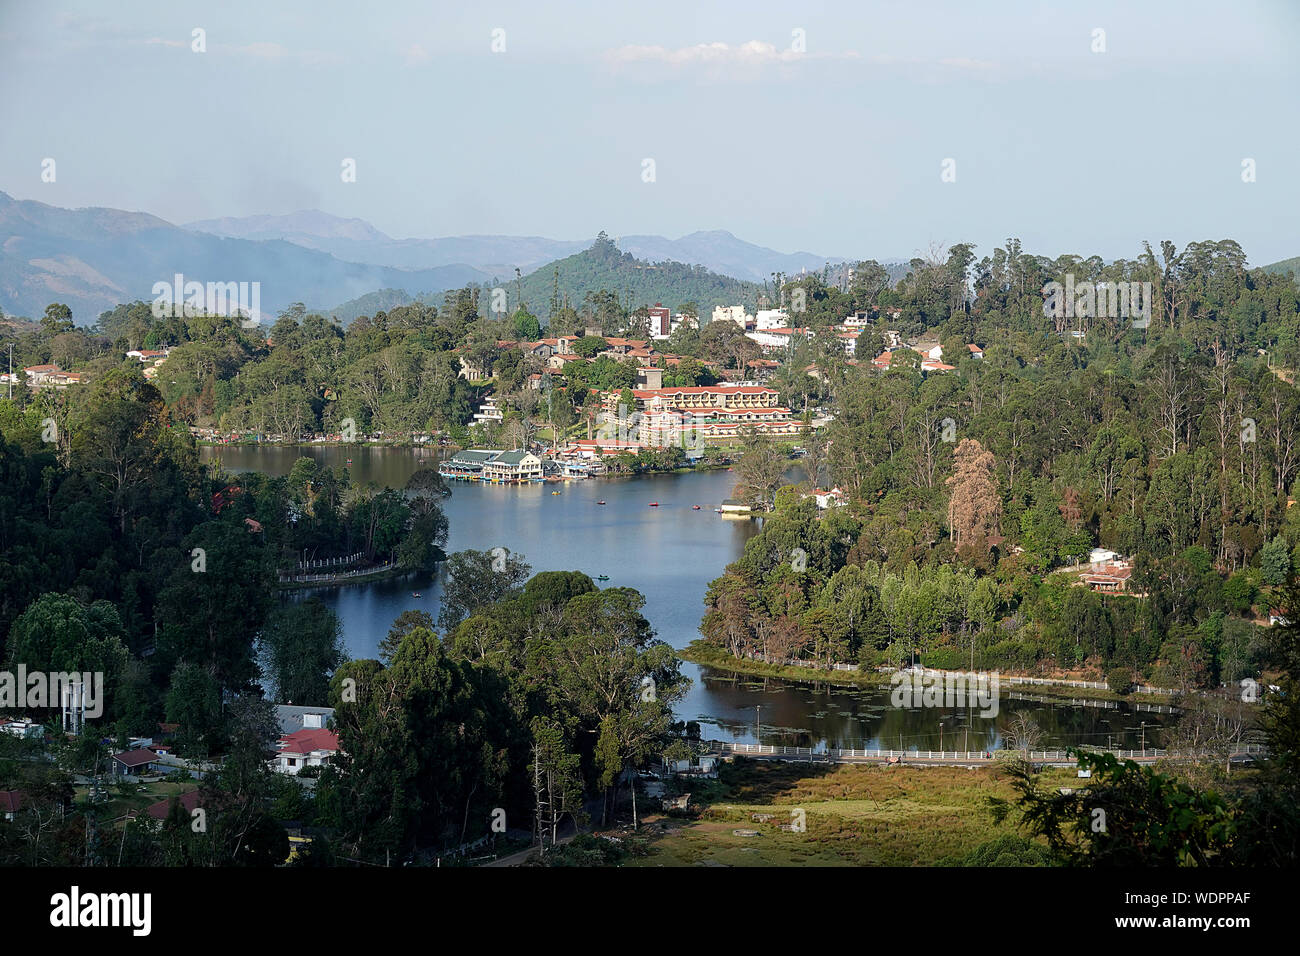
x: 134, y: 763
x: 305, y: 748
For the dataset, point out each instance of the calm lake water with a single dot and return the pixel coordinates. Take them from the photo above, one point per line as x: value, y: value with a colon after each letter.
x: 669, y: 554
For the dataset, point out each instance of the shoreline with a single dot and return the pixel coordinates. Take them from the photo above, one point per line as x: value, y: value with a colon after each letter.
x: 338, y: 581
x: 697, y: 652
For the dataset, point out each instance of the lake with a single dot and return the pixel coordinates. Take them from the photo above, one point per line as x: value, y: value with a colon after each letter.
x: 669, y: 554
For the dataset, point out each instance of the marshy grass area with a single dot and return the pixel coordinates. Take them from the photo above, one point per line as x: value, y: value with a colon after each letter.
x: 854, y: 815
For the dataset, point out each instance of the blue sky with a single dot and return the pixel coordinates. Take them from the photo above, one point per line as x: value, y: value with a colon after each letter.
x: 836, y: 150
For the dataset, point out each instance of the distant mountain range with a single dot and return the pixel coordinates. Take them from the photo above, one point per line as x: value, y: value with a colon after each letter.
x: 357, y: 241
x: 95, y: 258
x: 92, y: 259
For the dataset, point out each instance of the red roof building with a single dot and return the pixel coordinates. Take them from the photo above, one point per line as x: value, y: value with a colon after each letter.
x: 189, y: 801
x: 309, y: 747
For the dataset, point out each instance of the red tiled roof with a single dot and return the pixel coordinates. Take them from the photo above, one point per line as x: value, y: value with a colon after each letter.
x: 135, y: 758
x: 11, y: 801
x: 189, y: 800
x: 704, y: 390
x: 309, y: 740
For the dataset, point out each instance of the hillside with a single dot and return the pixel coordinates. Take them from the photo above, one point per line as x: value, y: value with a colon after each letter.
x: 93, y: 259
x: 1291, y: 265
x: 604, y: 266
x: 722, y: 252
x: 370, y: 303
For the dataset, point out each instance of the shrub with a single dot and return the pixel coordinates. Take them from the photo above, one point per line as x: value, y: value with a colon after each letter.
x: 945, y: 659
x: 1119, y: 679
x: 1008, y: 850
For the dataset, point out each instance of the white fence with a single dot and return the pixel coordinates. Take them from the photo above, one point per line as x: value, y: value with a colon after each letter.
x: 324, y: 563
x: 836, y: 753
x: 335, y: 576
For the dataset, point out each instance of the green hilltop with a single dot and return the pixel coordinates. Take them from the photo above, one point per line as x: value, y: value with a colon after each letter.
x: 635, y: 282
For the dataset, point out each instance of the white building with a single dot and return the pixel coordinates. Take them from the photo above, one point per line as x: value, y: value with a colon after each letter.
x: 489, y: 412
x: 775, y: 339
x: 22, y: 728
x: 1101, y: 556
x: 733, y: 313
x: 771, y: 319
x: 309, y: 747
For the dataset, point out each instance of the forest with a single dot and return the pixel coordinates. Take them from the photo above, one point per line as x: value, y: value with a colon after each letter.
x: 122, y: 550
x: 975, y: 495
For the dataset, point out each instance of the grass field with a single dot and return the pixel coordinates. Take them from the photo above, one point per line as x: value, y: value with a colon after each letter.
x: 119, y: 805
x: 855, y: 816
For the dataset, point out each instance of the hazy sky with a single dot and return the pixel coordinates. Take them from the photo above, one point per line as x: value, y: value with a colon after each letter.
x: 836, y: 150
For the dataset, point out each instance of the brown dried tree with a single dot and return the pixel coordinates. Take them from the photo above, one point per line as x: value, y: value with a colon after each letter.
x: 975, y: 506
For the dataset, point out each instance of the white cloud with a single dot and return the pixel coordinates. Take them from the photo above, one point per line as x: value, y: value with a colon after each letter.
x: 753, y: 53
x: 264, y: 50
x: 415, y: 53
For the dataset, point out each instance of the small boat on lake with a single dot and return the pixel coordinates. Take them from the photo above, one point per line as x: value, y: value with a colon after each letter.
x: 600, y: 502
x: 602, y: 577
x: 555, y: 492
x: 695, y: 507
x: 415, y: 594
x: 654, y: 504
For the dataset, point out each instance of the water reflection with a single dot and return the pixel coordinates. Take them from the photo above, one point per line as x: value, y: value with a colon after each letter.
x: 668, y: 553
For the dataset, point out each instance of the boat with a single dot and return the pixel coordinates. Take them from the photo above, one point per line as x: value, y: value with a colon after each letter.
x: 415, y: 594
x: 555, y: 492
x: 600, y: 502
x: 602, y: 577
x: 718, y: 510
x: 695, y: 507
x: 654, y: 504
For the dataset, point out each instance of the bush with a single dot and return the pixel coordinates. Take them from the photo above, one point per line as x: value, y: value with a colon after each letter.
x: 586, y: 850
x: 1239, y: 592
x: 1008, y: 850
x: 1119, y: 679
x: 945, y: 659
